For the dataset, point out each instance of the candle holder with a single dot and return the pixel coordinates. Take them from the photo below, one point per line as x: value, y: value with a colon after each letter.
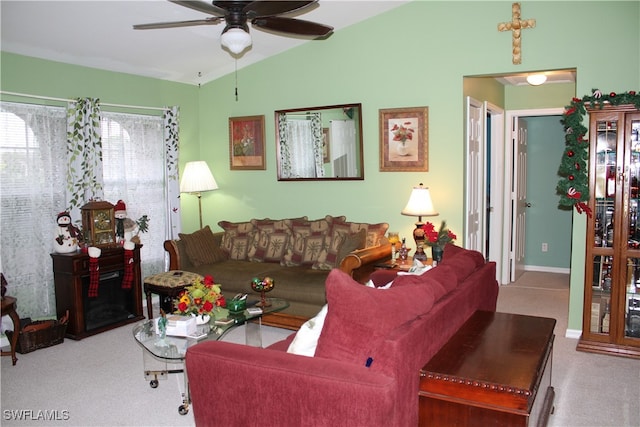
x: 263, y: 286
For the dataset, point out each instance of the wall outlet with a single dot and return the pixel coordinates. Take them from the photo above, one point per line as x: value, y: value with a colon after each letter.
x: 545, y: 247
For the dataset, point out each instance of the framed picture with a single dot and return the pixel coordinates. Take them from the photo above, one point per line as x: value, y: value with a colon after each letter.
x: 325, y: 146
x: 246, y: 143
x: 404, y: 139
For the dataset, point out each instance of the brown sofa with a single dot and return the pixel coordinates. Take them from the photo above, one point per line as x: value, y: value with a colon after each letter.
x: 297, y: 253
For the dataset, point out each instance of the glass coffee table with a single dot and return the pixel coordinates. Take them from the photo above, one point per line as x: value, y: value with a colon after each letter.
x: 167, y: 357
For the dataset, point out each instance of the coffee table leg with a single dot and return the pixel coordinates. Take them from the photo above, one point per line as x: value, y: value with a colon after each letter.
x: 186, y: 397
x: 253, y: 333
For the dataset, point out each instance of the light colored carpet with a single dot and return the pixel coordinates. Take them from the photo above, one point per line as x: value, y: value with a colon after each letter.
x: 592, y: 390
x: 99, y: 381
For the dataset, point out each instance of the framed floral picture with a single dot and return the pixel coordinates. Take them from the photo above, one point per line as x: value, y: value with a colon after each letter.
x: 246, y: 143
x: 404, y: 139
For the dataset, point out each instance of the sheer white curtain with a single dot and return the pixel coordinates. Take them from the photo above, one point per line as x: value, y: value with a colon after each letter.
x: 300, y: 138
x: 33, y: 172
x: 138, y: 164
x: 133, y: 163
x: 343, y: 147
x: 301, y: 147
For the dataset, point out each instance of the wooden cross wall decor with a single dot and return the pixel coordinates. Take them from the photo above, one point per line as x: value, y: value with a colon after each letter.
x: 516, y: 25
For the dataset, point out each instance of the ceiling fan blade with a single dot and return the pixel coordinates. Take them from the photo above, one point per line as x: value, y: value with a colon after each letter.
x: 158, y: 25
x: 292, y: 26
x: 257, y: 9
x: 200, y: 6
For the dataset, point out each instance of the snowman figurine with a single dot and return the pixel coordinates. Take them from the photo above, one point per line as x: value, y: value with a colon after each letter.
x: 125, y: 227
x: 67, y: 235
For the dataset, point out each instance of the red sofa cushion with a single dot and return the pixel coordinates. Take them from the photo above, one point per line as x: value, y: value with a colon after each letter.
x: 360, y: 318
x: 441, y: 278
x: 462, y: 261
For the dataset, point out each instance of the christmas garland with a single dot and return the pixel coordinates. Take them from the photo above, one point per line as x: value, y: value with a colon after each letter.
x: 573, y: 187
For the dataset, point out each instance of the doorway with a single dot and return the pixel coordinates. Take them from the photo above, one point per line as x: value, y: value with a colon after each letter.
x: 490, y: 194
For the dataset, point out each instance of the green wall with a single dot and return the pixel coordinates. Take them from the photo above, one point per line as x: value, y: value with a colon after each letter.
x: 34, y: 76
x: 545, y: 222
x: 415, y: 55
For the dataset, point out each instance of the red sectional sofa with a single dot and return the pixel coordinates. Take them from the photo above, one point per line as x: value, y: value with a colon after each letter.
x: 365, y: 371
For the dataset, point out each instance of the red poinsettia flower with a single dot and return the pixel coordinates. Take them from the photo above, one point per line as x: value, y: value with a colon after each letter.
x: 207, y: 306
x: 221, y: 302
x: 437, y: 237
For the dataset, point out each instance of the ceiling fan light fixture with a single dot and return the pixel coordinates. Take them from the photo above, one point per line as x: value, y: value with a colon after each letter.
x: 536, y: 79
x: 236, y: 40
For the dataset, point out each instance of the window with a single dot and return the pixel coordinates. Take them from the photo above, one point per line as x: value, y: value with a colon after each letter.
x: 133, y: 170
x: 32, y: 192
x: 33, y: 170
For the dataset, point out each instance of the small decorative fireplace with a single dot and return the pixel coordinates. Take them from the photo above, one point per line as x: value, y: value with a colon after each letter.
x: 110, y: 304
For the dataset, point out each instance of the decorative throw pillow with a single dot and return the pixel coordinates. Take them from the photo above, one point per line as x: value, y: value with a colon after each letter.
x: 307, y: 241
x: 237, y: 238
x: 305, y: 248
x: 201, y: 247
x: 263, y: 229
x: 306, y: 339
x: 339, y: 242
x: 375, y: 232
x: 270, y: 246
x: 360, y: 318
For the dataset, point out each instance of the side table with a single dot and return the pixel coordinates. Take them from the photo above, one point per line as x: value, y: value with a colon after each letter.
x: 398, y: 265
x: 9, y: 307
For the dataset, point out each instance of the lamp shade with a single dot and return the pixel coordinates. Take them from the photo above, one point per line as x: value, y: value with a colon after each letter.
x: 236, y: 40
x: 420, y: 203
x: 197, y: 178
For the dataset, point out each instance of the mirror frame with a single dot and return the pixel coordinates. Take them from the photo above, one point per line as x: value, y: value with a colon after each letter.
x: 359, y: 141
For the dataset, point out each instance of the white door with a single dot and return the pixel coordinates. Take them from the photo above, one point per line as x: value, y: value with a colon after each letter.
x: 518, y: 196
x: 475, y: 176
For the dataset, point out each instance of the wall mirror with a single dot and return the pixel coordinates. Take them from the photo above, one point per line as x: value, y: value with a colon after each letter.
x: 320, y: 143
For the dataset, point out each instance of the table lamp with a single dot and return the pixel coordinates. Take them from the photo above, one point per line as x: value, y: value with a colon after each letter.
x: 419, y: 205
x: 197, y: 179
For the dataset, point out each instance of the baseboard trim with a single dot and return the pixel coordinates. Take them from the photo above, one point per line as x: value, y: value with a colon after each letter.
x: 544, y: 269
x: 573, y: 333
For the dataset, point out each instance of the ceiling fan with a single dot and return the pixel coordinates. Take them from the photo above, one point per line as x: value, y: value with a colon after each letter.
x: 236, y: 14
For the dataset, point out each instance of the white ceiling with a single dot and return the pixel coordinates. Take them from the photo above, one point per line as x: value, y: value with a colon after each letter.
x: 99, y: 34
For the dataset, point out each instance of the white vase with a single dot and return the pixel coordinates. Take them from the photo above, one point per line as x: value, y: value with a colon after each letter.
x: 402, y: 149
x: 202, y: 319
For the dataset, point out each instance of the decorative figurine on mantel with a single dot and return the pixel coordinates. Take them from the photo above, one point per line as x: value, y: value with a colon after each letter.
x: 126, y: 228
x: 124, y: 225
x: 67, y: 235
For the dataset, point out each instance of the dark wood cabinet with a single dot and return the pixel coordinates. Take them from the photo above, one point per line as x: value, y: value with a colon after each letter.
x: 112, y: 306
x: 495, y: 371
x: 611, y: 315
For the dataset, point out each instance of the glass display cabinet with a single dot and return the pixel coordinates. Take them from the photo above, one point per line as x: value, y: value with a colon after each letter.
x: 611, y: 317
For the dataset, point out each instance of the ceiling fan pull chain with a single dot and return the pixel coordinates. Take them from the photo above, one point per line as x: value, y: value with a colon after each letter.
x: 236, y: 59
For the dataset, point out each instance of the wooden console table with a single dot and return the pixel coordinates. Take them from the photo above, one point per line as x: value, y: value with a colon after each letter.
x: 496, y: 370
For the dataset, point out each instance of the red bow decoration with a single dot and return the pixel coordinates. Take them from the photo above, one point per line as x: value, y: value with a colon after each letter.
x: 580, y: 206
x: 572, y: 193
